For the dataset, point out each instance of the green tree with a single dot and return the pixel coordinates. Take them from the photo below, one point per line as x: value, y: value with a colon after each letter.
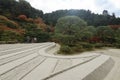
x: 106, y: 34
x: 87, y: 33
x: 1, y: 32
x: 11, y: 36
x: 34, y: 32
x: 91, y: 18
x: 68, y: 27
x: 117, y: 35
x: 8, y: 8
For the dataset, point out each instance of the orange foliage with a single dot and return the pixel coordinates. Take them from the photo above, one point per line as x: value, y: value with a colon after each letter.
x: 95, y: 39
x: 22, y: 17
x: 3, y: 18
x: 52, y: 29
x: 30, y: 20
x: 115, y: 27
x: 19, y: 31
x: 39, y: 21
x: 6, y: 19
x: 40, y: 24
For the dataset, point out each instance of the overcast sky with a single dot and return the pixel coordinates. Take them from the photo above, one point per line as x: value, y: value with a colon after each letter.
x: 96, y: 6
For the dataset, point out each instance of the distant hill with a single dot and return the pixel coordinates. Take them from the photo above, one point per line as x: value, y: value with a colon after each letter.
x: 13, y: 8
x: 92, y: 19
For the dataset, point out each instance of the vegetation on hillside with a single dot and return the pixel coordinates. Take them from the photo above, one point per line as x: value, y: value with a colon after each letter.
x: 75, y: 36
x: 13, y: 8
x: 92, y: 19
x: 75, y: 30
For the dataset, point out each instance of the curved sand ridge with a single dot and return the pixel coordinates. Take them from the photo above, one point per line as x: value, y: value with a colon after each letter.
x: 37, y: 62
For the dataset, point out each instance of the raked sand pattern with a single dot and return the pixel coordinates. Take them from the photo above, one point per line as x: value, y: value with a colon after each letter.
x: 36, y: 61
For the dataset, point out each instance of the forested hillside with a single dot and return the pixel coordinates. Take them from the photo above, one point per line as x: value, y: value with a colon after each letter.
x: 91, y: 18
x: 74, y: 29
x: 19, y: 20
x: 13, y: 8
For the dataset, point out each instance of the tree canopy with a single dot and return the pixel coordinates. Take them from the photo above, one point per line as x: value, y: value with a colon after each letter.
x: 8, y: 8
x: 92, y: 19
x: 75, y: 29
x: 70, y: 25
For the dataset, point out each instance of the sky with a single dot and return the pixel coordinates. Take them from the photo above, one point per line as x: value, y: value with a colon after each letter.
x: 96, y: 6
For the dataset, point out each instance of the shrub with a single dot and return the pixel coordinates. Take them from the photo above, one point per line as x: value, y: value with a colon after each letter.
x: 98, y: 45
x: 9, y: 24
x: 87, y: 46
x: 9, y: 36
x: 43, y: 36
x: 22, y: 17
x: 117, y: 45
x: 78, y: 48
x: 64, y: 39
x: 108, y: 45
x: 118, y: 40
x: 65, y: 50
x: 3, y: 18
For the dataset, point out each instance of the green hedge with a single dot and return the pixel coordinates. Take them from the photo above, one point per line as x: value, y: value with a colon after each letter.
x: 98, y: 45
x: 65, y: 50
x: 87, y: 46
x: 117, y: 45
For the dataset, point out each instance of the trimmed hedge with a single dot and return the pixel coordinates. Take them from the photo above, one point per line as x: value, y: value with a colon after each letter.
x: 98, y: 45
x: 65, y: 50
x: 87, y: 46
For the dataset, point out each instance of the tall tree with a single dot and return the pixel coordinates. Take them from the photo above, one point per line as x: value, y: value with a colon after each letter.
x: 70, y: 25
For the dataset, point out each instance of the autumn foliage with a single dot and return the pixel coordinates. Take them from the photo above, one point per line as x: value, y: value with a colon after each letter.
x: 40, y: 23
x: 95, y: 39
x: 115, y: 27
x: 5, y: 25
x: 22, y: 17
x: 18, y: 31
